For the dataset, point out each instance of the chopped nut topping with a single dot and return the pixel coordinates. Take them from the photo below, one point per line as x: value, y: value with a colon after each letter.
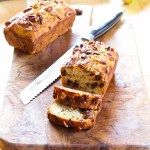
x: 81, y: 45
x: 108, y: 48
x: 75, y: 84
x: 63, y: 72
x: 58, y: 17
x: 76, y: 46
x: 40, y: 18
x: 83, y: 56
x: 102, y: 62
x: 78, y: 12
x: 35, y: 6
x: 101, y: 84
x: 91, y: 42
x: 48, y: 9
x: 94, y: 85
x: 88, y: 52
x: 111, y: 58
x: 98, y: 77
x: 32, y: 18
x: 94, y: 101
x: 109, y: 54
x: 7, y: 23
x: 112, y: 49
x: 28, y: 9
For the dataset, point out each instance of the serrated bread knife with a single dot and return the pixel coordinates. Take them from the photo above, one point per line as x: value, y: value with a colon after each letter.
x: 53, y: 72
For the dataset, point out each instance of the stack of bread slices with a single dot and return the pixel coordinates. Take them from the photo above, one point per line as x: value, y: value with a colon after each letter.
x: 85, y: 78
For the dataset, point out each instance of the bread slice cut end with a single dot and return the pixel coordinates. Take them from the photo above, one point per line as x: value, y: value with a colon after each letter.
x: 69, y: 117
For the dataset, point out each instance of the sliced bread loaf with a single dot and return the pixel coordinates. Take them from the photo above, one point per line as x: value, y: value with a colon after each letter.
x: 76, y: 98
x: 77, y: 118
x: 90, y: 68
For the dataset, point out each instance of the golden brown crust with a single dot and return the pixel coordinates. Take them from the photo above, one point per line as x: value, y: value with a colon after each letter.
x: 111, y: 73
x: 37, y: 26
x: 76, y: 98
x: 83, y: 124
x: 90, y: 68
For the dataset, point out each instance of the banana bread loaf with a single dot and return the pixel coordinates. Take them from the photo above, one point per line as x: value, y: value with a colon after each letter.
x: 76, y: 98
x: 90, y: 68
x: 77, y: 118
x: 34, y: 28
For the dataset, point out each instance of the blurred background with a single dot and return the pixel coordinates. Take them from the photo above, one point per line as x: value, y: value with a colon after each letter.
x: 9, y: 8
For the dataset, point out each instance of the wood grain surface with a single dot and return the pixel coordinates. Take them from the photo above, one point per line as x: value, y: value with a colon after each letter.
x: 124, y: 121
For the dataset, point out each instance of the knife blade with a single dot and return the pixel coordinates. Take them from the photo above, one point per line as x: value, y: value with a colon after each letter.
x: 53, y: 72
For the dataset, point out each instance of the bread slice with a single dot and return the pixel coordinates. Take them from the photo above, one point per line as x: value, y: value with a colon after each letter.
x: 76, y: 98
x: 79, y: 119
x: 90, y: 68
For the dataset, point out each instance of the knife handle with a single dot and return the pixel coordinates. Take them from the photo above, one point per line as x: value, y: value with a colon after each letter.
x: 106, y: 26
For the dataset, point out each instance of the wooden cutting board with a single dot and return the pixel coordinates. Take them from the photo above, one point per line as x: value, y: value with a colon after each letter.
x: 124, y: 121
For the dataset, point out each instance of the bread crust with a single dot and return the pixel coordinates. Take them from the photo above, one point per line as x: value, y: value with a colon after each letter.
x: 36, y: 36
x: 111, y: 73
x: 76, y: 98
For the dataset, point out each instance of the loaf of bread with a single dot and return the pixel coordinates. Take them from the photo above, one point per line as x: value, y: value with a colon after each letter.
x: 38, y: 25
x: 90, y: 68
x: 76, y: 98
x: 69, y: 117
